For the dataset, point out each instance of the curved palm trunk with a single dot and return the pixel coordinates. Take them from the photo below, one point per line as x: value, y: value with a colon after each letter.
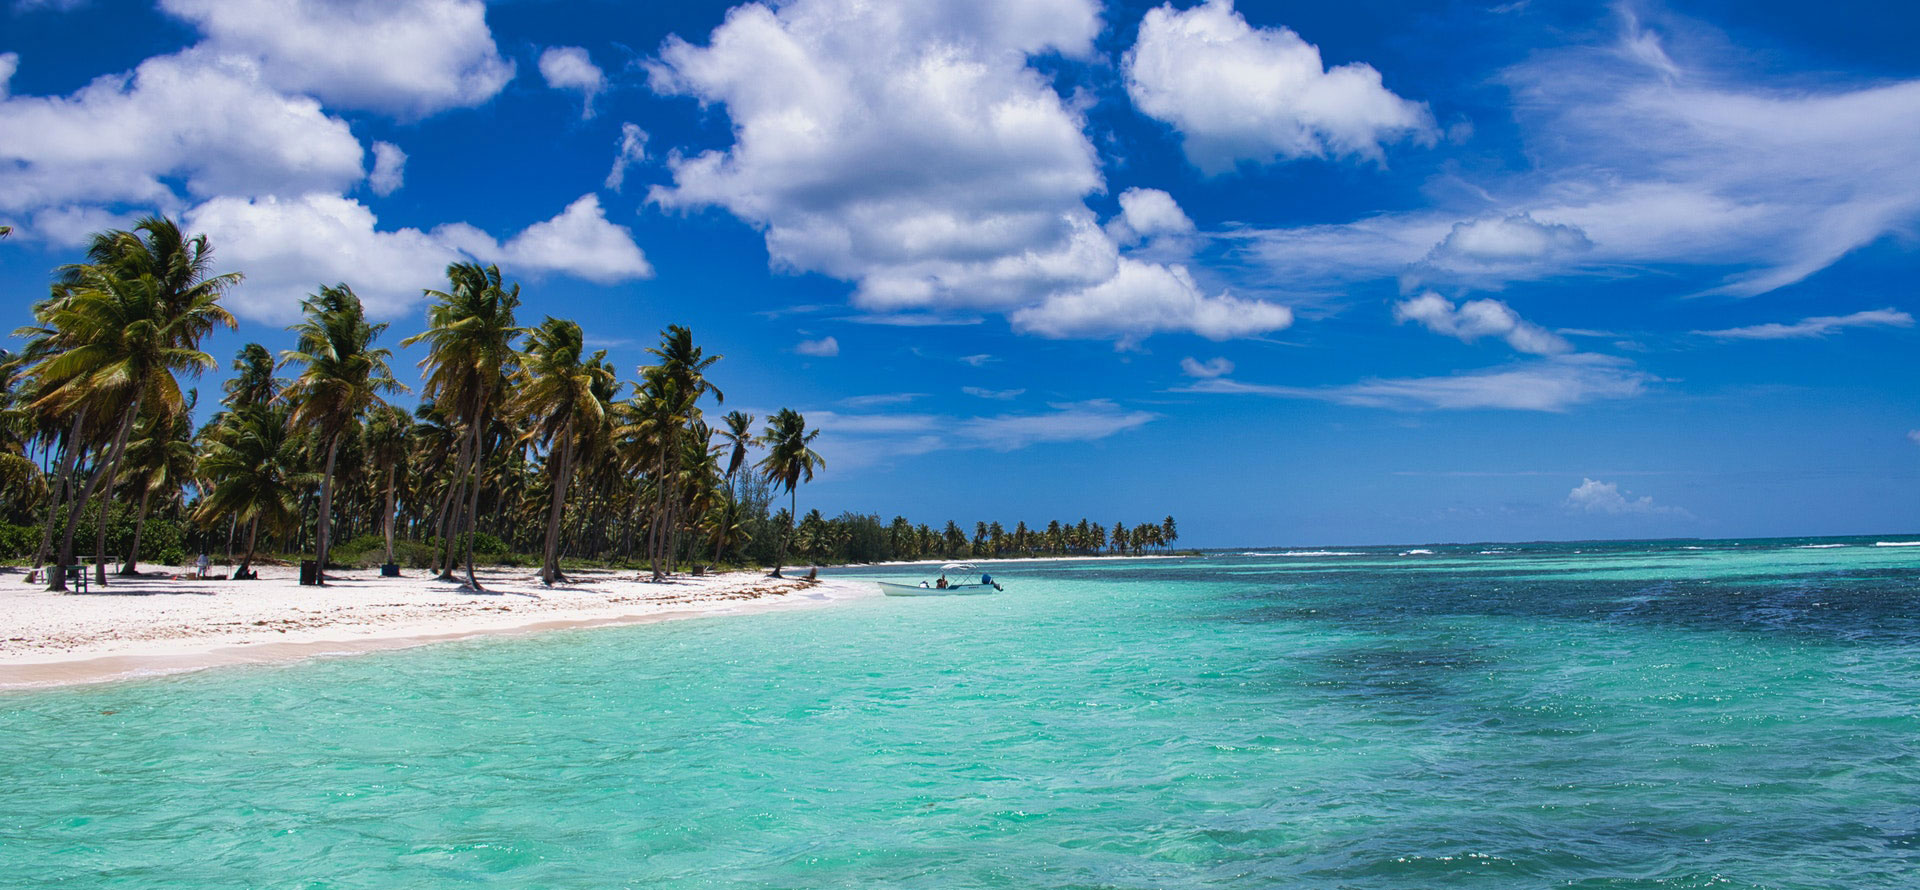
x: 656, y: 537
x: 450, y: 502
x: 325, y: 525
x: 726, y: 523
x: 473, y: 497
x: 106, y: 496
x: 69, y: 456
x: 233, y: 527
x: 786, y: 537
x: 388, y: 518
x: 253, y: 534
x: 563, y: 474
x: 59, y: 580
x: 132, y: 566
x: 633, y: 520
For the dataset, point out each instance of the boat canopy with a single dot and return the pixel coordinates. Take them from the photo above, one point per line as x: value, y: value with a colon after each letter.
x: 957, y: 567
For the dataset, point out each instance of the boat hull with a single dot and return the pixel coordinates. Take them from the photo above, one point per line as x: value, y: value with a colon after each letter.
x: 952, y: 590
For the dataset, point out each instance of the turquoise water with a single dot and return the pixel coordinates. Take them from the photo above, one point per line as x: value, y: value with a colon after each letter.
x: 1593, y: 716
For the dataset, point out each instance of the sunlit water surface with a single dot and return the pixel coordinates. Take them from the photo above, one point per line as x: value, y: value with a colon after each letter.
x: 1745, y: 714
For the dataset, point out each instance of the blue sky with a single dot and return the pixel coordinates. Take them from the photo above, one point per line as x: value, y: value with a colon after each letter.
x: 1294, y: 273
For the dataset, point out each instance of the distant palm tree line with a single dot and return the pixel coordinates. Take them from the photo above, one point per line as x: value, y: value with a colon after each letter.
x: 523, y: 441
x: 854, y: 537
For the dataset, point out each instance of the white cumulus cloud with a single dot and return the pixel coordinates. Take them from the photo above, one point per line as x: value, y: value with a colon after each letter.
x: 913, y: 150
x: 580, y: 242
x: 289, y: 246
x: 570, y: 68
x: 1474, y: 319
x: 1146, y: 214
x: 1510, y: 240
x: 208, y: 121
x: 907, y: 147
x: 1592, y: 496
x: 825, y: 347
x: 1145, y: 298
x: 389, y: 168
x: 1235, y: 92
x: 73, y: 225
x: 409, y: 59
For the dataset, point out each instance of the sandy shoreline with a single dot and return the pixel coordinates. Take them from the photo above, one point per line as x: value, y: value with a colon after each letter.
x: 154, y: 624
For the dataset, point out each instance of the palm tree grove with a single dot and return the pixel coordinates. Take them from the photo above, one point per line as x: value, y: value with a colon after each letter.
x: 523, y: 448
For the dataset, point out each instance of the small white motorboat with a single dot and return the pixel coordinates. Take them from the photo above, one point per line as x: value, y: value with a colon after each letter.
x: 934, y: 588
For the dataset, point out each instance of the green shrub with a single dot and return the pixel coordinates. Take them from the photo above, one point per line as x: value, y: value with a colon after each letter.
x: 18, y: 541
x: 487, y: 545
x: 162, y: 541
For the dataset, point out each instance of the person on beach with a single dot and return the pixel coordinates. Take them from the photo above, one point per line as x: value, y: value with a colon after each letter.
x: 201, y: 566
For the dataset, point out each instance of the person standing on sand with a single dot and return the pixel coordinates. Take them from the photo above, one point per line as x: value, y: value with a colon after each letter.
x: 201, y: 565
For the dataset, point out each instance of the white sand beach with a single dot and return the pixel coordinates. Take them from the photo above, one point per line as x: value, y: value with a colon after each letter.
x: 165, y: 622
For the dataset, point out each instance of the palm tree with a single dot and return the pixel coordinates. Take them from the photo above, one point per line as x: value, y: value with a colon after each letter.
x: 687, y: 364
x: 247, y: 462
x: 253, y: 382
x: 557, y: 395
x: 651, y: 431
x: 112, y: 336
x: 470, y: 351
x: 790, y: 460
x: 684, y: 366
x: 386, y: 447
x: 1169, y: 532
x: 163, y: 461
x: 342, y: 378
x: 739, y: 436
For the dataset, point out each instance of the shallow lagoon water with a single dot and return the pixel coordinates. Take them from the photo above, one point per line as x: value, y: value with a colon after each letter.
x: 1625, y: 716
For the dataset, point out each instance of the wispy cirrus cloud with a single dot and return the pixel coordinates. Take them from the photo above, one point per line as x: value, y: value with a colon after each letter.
x: 1213, y: 367
x: 880, y: 400
x: 1817, y: 326
x: 859, y: 440
x: 1652, y: 149
x: 1553, y: 384
x: 1000, y: 395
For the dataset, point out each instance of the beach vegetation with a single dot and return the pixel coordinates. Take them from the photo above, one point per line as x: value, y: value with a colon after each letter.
x: 523, y: 447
